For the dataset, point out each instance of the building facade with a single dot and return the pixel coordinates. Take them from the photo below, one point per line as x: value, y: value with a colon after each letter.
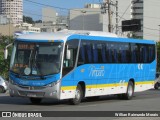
x: 92, y: 18
x: 137, y: 10
x: 51, y: 21
x: 13, y: 9
x: 148, y: 12
x: 3, y: 20
x: 88, y: 18
x: 49, y: 15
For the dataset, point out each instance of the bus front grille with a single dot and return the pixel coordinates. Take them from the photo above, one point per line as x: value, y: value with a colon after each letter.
x: 31, y: 94
x: 31, y: 87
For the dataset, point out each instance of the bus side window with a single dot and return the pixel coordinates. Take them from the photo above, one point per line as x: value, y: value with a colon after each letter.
x: 114, y: 52
x: 103, y: 52
x: 151, y: 53
x: 145, y: 54
x: 134, y: 53
x: 99, y: 50
x: 141, y: 54
x: 108, y: 53
x: 81, y: 57
x: 95, y: 53
x: 89, y: 52
x: 122, y: 54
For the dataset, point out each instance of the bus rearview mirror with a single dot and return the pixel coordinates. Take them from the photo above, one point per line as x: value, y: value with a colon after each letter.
x: 5, y: 53
x: 68, y: 56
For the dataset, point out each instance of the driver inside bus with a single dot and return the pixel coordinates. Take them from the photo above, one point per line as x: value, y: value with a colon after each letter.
x: 48, y: 65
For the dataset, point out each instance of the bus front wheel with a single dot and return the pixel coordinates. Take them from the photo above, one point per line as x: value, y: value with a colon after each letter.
x: 130, y: 91
x: 78, y: 96
x: 36, y: 100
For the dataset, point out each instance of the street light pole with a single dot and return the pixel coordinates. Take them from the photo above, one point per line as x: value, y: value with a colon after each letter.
x: 83, y: 11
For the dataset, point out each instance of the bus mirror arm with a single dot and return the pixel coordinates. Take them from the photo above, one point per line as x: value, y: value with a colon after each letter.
x: 6, y: 50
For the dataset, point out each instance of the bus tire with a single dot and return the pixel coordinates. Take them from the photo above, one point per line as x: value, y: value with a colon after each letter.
x: 78, y: 96
x: 130, y: 91
x: 35, y: 100
x: 156, y: 86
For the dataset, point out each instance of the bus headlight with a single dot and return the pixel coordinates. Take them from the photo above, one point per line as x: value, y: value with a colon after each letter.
x: 52, y: 84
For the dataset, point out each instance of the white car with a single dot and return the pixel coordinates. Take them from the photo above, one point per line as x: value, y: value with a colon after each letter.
x: 3, y: 85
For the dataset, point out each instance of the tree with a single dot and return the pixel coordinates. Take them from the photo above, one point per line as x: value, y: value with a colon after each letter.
x: 4, y: 64
x: 38, y: 21
x: 28, y: 19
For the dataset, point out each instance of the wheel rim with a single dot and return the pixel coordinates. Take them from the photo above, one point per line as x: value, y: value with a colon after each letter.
x: 130, y: 90
x: 77, y: 95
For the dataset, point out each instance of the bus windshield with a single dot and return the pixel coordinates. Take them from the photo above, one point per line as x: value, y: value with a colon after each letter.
x: 37, y: 59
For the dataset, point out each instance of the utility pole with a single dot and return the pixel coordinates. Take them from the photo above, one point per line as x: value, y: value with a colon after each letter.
x: 106, y: 8
x: 83, y: 12
x: 109, y: 16
x: 116, y: 17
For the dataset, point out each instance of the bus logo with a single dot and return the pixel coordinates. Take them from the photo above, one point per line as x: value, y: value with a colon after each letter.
x: 96, y: 72
x: 140, y: 66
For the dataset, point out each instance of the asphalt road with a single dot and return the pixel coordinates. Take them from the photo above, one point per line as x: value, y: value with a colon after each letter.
x: 142, y: 101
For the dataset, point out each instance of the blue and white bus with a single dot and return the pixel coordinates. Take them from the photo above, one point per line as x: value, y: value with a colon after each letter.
x: 74, y: 65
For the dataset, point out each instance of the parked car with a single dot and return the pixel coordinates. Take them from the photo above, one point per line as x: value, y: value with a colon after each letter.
x: 3, y: 85
x: 157, y: 83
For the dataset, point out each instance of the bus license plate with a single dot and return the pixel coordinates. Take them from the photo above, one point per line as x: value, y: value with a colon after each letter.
x: 31, y: 95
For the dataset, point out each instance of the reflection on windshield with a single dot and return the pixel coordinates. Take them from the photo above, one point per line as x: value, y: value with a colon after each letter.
x: 37, y: 58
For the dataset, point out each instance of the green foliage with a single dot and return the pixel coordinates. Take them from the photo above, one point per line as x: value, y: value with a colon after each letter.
x: 28, y: 19
x: 4, y: 64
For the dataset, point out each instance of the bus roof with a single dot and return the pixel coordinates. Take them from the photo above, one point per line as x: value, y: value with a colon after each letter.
x: 64, y: 34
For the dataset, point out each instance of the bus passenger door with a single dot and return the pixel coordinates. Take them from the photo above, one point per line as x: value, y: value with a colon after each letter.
x: 68, y: 83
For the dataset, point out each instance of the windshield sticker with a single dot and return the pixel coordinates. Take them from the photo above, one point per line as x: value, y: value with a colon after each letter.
x: 34, y: 72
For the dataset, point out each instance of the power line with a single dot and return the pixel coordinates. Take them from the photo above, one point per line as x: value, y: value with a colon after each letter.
x: 46, y: 5
x: 53, y: 6
x: 151, y: 29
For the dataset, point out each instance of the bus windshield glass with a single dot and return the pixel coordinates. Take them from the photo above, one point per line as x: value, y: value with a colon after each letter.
x: 37, y: 59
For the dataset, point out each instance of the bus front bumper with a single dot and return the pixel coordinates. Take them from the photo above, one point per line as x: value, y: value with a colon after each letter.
x: 37, y: 92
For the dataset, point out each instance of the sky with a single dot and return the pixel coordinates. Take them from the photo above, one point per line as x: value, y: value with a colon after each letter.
x: 35, y: 10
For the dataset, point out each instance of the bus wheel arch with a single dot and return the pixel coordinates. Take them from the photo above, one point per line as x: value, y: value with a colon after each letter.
x: 79, y: 93
x: 133, y: 81
x: 83, y: 87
